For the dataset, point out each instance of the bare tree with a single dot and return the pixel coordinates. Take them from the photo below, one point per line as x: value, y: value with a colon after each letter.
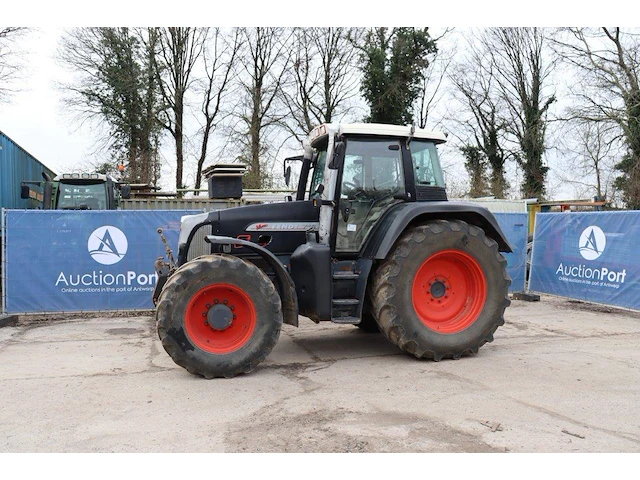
x: 591, y: 149
x: 265, y: 63
x: 521, y: 70
x: 10, y: 59
x: 179, y: 50
x: 484, y: 122
x: 434, y: 76
x: 608, y: 62
x: 219, y: 57
x: 325, y: 77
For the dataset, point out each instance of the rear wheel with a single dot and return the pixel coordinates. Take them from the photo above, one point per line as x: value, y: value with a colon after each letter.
x: 219, y: 316
x: 442, y: 291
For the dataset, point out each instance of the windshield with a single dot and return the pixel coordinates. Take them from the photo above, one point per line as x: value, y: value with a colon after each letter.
x: 82, y: 197
x: 425, y: 163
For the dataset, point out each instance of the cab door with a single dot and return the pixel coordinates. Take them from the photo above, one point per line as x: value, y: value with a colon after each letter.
x: 373, y: 179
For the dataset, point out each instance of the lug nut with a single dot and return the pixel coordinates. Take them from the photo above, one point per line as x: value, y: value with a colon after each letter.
x: 232, y: 307
x: 234, y: 317
x: 225, y: 302
x: 208, y: 305
x: 215, y: 301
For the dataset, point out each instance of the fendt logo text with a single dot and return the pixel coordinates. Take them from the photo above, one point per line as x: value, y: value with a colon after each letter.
x: 107, y: 245
x: 592, y: 242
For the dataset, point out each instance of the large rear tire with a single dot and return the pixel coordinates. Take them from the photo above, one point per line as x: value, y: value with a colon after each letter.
x: 442, y: 291
x: 219, y: 316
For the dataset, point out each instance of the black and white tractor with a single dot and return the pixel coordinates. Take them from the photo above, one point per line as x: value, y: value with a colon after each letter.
x: 370, y: 240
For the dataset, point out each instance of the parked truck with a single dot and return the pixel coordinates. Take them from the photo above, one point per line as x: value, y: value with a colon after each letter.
x: 16, y: 164
x: 77, y: 191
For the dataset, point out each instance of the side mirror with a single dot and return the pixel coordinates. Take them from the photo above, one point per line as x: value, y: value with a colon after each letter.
x: 24, y: 191
x: 125, y: 191
x: 338, y: 156
x: 287, y: 175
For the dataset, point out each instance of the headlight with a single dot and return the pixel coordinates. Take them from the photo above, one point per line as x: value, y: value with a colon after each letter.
x: 187, y: 224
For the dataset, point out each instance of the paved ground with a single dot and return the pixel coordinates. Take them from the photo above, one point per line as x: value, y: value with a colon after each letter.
x: 559, y: 377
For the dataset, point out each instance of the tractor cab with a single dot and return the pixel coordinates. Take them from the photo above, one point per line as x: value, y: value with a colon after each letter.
x: 370, y: 240
x: 358, y: 171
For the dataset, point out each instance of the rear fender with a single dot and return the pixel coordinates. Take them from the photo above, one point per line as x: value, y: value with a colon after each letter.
x: 398, y: 218
x: 284, y: 282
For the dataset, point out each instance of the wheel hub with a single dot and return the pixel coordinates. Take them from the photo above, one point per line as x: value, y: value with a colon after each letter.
x: 449, y: 291
x: 438, y: 289
x: 219, y: 317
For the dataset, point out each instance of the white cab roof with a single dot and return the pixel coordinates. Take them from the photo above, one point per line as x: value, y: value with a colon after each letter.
x: 377, y: 129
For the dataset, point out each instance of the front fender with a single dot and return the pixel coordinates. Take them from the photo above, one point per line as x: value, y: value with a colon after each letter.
x: 399, y: 217
x: 284, y: 282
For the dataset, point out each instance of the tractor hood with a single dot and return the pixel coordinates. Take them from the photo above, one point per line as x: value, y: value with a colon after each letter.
x: 279, y: 227
x: 270, y: 217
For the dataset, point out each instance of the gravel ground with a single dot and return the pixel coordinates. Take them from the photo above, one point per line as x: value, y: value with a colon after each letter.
x: 560, y: 376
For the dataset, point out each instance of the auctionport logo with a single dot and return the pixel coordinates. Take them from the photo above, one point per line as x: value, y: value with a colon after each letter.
x: 592, y: 242
x: 107, y: 245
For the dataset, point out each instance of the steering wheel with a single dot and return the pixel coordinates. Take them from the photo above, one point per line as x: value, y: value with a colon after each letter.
x: 390, y: 183
x: 350, y: 185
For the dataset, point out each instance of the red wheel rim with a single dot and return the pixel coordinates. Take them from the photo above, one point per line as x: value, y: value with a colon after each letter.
x: 449, y: 291
x: 223, y: 339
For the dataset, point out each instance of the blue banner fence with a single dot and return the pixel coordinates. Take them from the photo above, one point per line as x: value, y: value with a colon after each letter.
x: 590, y: 256
x: 515, y: 228
x: 64, y: 261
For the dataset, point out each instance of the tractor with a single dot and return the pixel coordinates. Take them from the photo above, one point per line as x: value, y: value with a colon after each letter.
x: 370, y: 240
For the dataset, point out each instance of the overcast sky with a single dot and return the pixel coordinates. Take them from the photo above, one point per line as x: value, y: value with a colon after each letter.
x: 35, y: 120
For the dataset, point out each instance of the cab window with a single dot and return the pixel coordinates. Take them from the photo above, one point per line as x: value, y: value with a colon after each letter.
x: 318, y: 172
x: 426, y: 165
x: 372, y: 178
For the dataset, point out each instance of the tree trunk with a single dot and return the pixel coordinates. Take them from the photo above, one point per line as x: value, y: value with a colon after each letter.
x: 179, y: 146
x: 254, y: 177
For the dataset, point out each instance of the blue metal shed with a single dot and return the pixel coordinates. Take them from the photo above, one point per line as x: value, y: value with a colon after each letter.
x: 17, y: 165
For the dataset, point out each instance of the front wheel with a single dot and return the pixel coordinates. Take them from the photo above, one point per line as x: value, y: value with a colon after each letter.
x: 442, y: 291
x: 219, y: 316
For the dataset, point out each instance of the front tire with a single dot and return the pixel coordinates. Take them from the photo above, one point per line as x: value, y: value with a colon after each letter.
x: 442, y: 291
x: 219, y: 316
